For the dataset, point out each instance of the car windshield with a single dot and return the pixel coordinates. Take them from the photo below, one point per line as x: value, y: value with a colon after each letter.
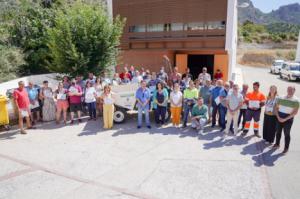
x: 277, y: 63
x: 295, y: 68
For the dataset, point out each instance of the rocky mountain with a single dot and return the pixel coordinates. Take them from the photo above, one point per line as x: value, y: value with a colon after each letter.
x: 285, y: 14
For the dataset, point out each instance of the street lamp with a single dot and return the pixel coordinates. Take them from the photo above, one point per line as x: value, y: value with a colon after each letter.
x: 243, y: 5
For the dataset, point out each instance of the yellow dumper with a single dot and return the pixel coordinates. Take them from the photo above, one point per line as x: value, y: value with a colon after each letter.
x: 4, y: 119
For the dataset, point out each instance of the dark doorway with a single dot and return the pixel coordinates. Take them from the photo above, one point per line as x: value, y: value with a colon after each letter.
x: 197, y: 62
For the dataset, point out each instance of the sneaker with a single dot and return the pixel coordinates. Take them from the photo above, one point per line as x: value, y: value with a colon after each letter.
x: 267, y: 143
x: 149, y: 127
x: 285, y: 151
x: 23, y: 132
x: 257, y: 135
x: 139, y: 127
x: 32, y: 127
x: 200, y: 132
x: 222, y: 130
x: 244, y: 134
x: 184, y: 126
x: 72, y: 122
x: 275, y: 146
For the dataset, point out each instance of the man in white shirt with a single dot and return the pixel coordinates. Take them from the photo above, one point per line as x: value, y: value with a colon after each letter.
x: 204, y: 76
x: 137, y: 78
x: 234, y: 101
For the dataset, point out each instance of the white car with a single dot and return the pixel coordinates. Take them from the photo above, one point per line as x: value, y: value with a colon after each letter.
x: 290, y: 71
x: 276, y: 66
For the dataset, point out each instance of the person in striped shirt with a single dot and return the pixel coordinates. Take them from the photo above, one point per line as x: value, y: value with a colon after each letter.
x: 286, y: 109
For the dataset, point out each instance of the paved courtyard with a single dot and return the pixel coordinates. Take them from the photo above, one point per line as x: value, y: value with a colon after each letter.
x: 84, y: 161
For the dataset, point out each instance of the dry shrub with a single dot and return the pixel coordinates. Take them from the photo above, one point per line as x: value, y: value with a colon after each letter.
x: 257, y: 59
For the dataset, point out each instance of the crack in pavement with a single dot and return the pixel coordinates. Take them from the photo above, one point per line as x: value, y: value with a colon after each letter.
x: 78, y: 179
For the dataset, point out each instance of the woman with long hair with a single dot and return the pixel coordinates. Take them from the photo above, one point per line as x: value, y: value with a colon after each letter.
x: 49, y: 107
x: 99, y: 90
x: 160, y: 103
x: 270, y: 120
x: 108, y: 107
x: 90, y: 99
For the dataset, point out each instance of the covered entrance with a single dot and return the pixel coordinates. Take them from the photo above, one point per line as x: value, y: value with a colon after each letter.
x: 212, y: 60
x: 197, y: 62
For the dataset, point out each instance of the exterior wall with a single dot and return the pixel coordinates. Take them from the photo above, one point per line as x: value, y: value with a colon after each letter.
x: 148, y: 59
x: 167, y: 13
x: 147, y: 48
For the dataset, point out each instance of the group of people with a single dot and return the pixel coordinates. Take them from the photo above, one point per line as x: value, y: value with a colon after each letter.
x: 76, y: 96
x: 201, y: 101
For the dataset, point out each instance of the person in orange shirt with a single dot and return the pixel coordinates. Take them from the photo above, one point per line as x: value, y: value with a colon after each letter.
x: 255, y: 100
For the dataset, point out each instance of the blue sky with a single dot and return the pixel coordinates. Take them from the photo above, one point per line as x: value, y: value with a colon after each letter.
x: 269, y: 5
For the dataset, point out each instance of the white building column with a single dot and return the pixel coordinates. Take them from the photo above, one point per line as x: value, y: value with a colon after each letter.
x: 231, y: 37
x: 298, y: 50
x: 109, y: 5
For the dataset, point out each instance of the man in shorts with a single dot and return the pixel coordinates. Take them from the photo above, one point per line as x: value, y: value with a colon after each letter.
x: 22, y: 103
x: 75, y: 94
x: 33, y: 94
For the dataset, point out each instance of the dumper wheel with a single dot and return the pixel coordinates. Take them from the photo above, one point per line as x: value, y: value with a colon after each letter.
x: 7, y: 127
x: 120, y: 115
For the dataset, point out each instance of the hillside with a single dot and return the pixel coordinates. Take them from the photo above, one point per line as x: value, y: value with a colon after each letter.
x: 285, y: 14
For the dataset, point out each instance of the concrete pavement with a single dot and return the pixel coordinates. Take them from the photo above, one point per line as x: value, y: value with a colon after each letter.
x: 85, y: 161
x: 283, y: 171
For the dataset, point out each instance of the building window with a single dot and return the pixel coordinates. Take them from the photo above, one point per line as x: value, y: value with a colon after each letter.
x: 213, y: 25
x: 156, y: 28
x: 137, y: 28
x: 194, y: 26
x: 177, y: 27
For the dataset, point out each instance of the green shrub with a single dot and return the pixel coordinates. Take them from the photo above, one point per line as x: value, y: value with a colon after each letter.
x: 83, y: 39
x: 11, y: 59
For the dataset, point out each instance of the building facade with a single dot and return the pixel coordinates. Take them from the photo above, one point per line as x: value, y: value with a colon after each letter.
x: 191, y: 33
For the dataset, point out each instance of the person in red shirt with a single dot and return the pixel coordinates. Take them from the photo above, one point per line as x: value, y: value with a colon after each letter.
x: 125, y: 74
x: 255, y: 101
x: 218, y: 75
x: 22, y: 103
x: 75, y: 93
x: 175, y: 76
